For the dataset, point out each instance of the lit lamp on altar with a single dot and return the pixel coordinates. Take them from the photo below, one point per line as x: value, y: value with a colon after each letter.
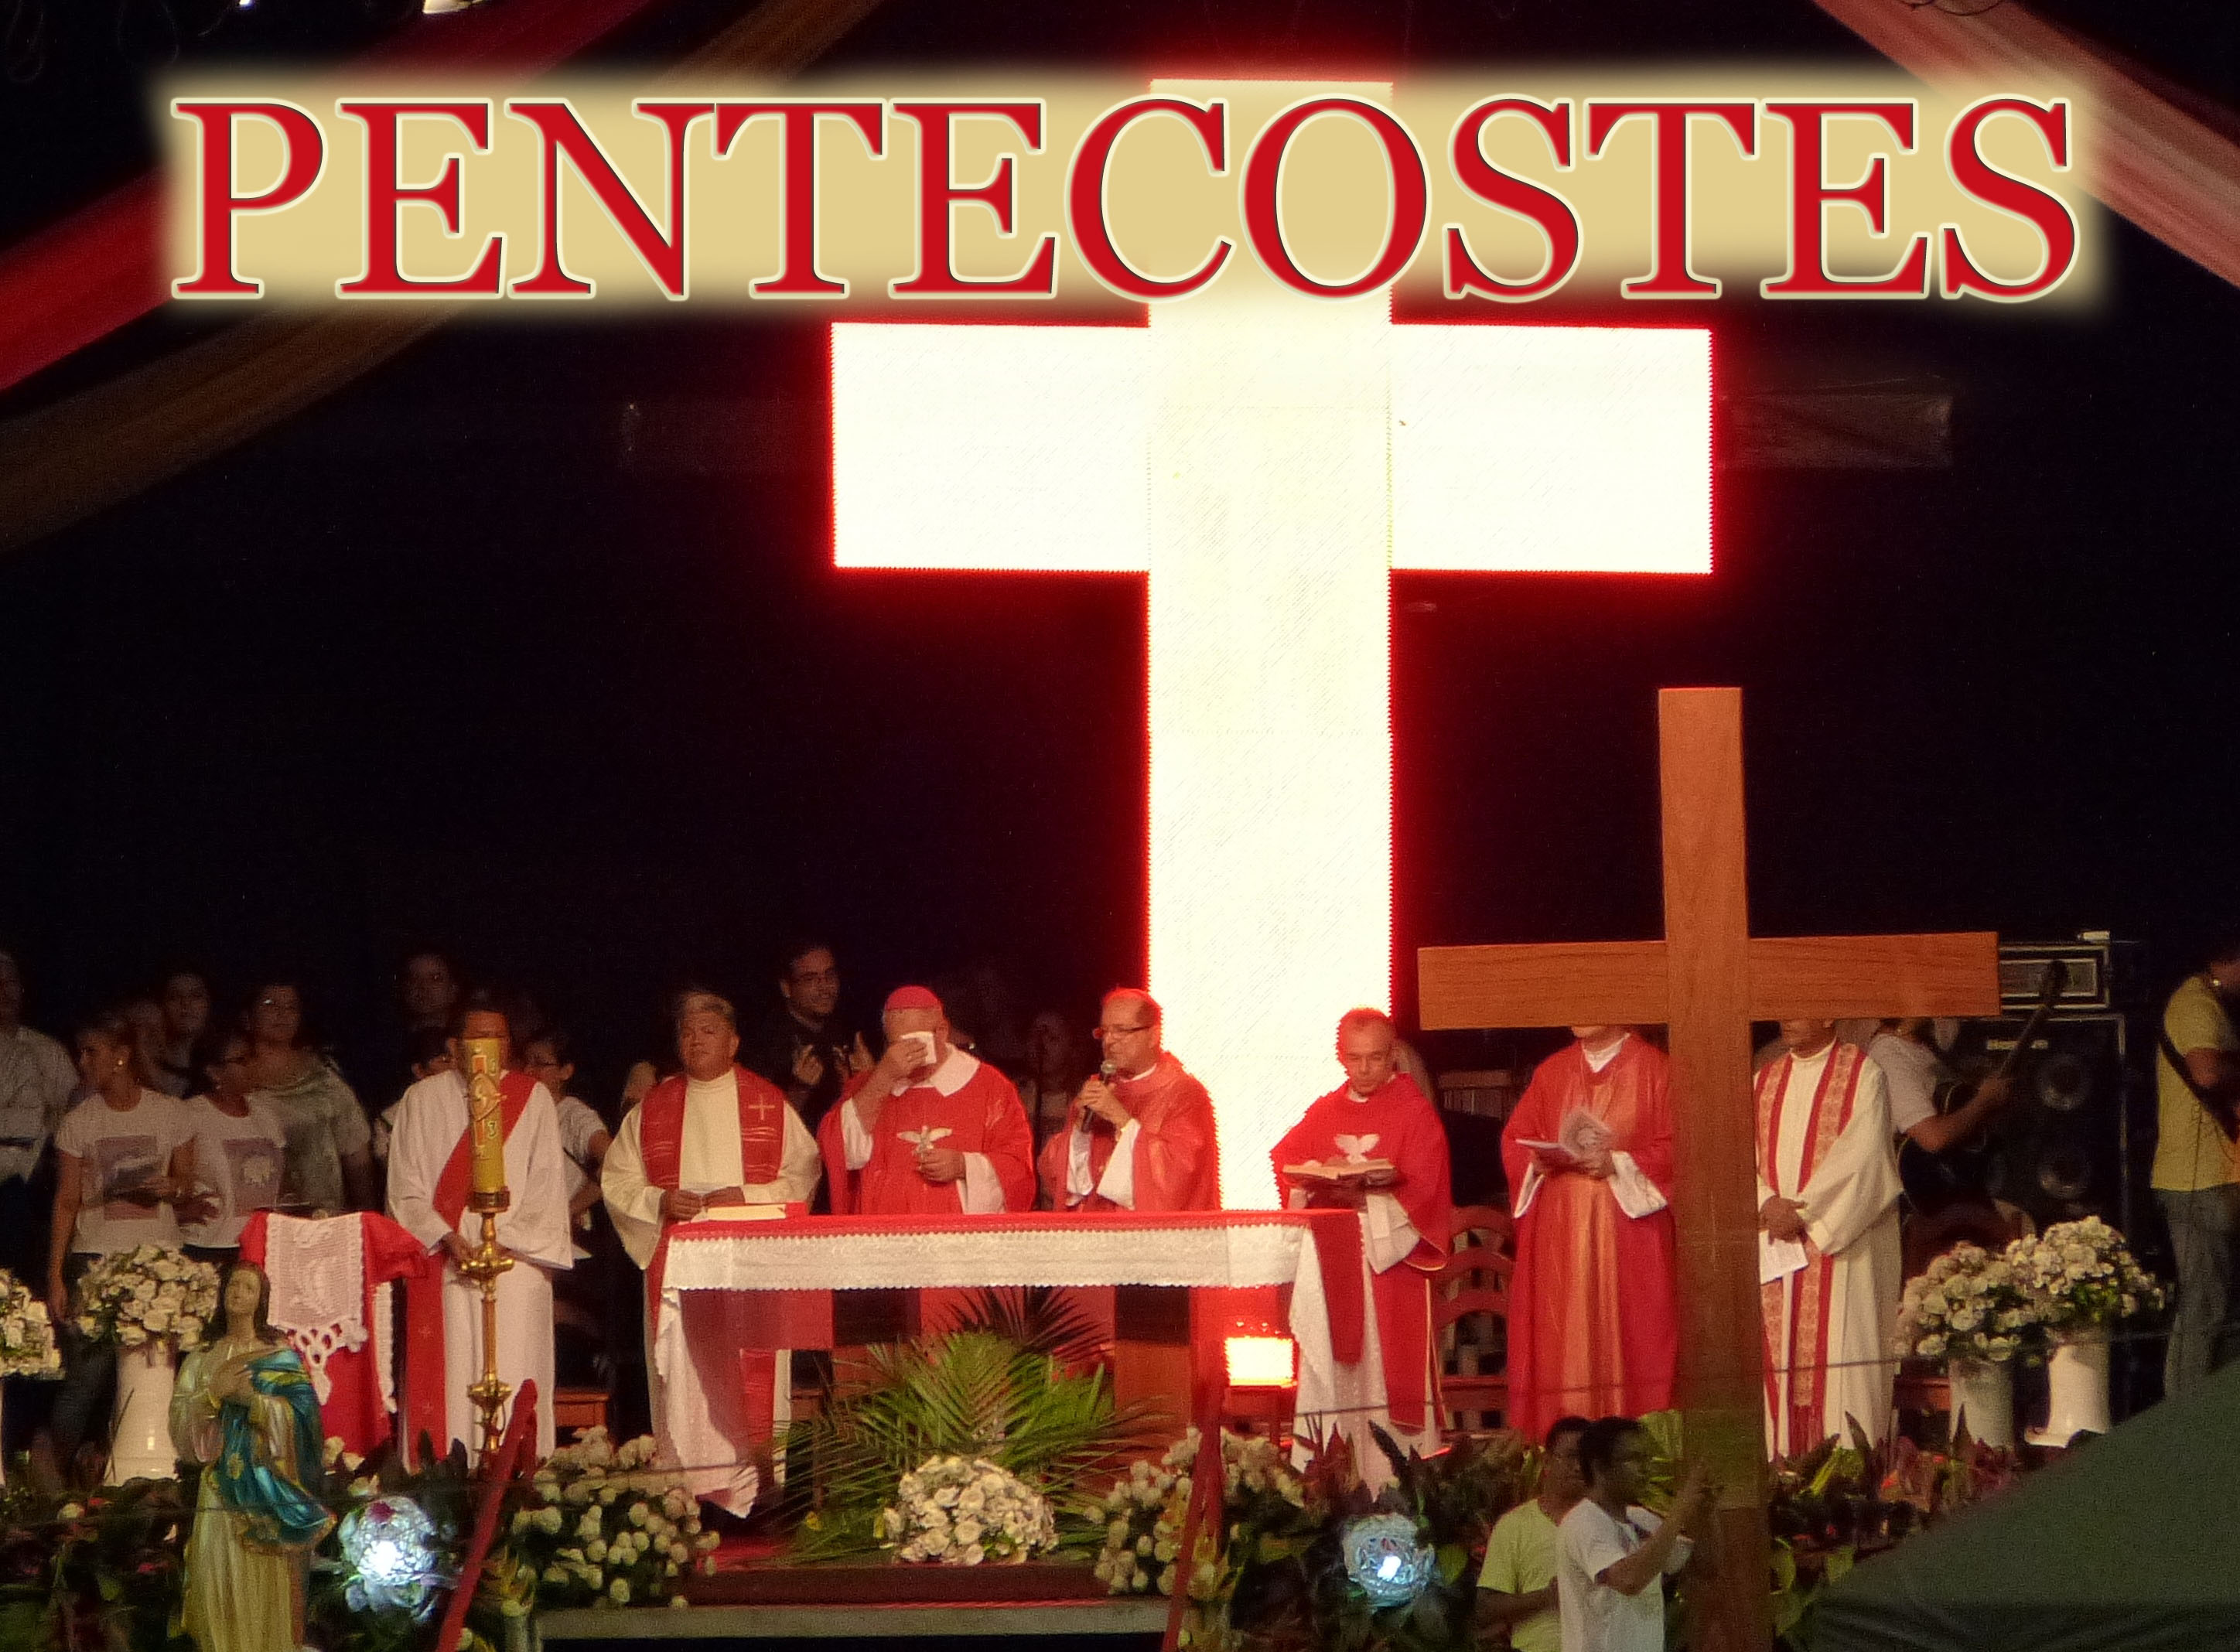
x: 1263, y: 1383
x: 486, y: 1197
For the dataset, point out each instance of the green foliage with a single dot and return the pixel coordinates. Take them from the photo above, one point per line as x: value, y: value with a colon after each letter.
x: 101, y: 1568
x: 1000, y: 1387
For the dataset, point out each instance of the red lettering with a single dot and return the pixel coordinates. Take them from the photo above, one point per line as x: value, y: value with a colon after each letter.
x: 1411, y: 198
x: 1084, y: 191
x: 304, y: 151
x: 1497, y: 188
x: 383, y: 195
x: 1809, y: 193
x: 2047, y: 212
x: 938, y: 192
x: 564, y: 134
x: 798, y: 275
x: 1669, y: 275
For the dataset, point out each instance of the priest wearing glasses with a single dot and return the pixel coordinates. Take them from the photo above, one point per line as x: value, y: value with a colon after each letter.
x: 1140, y: 1135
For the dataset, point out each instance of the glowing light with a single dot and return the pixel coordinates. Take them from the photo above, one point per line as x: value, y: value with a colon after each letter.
x: 1267, y: 464
x: 1262, y: 1362
x: 389, y: 1549
x: 1385, y: 1560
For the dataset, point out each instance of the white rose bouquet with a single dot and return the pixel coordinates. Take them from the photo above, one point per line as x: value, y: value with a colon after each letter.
x: 2081, y: 1275
x: 600, y: 1525
x: 27, y: 1337
x: 1968, y: 1305
x: 961, y: 1511
x: 1144, y: 1512
x: 130, y: 1297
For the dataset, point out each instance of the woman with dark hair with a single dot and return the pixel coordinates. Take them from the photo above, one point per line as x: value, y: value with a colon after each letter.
x: 240, y: 1147
x: 329, y: 1167
x: 246, y: 1410
x: 123, y: 1158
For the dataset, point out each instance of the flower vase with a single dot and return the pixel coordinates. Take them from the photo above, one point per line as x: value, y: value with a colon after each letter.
x: 2077, y: 1375
x: 1982, y: 1402
x: 140, y: 1439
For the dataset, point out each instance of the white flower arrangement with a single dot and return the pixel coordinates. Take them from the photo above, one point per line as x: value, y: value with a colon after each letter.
x: 27, y: 1336
x: 1968, y: 1305
x: 604, y: 1526
x: 131, y: 1297
x: 961, y: 1511
x: 2083, y: 1276
x: 1145, y: 1510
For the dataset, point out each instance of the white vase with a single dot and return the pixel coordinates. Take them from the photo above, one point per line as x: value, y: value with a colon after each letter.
x: 140, y: 1437
x: 1983, y: 1399
x: 2077, y: 1377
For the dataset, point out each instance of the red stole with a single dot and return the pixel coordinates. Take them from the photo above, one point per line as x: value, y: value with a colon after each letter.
x: 1409, y: 1135
x: 1800, y: 1302
x: 1178, y: 1154
x: 762, y: 1108
x: 424, y: 1291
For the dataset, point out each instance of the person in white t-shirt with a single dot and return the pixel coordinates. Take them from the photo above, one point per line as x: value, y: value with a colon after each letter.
x: 239, y: 1154
x: 121, y: 1162
x: 583, y: 1134
x: 1613, y: 1555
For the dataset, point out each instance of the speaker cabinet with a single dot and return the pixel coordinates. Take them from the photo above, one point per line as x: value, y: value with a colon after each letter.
x: 2061, y: 1148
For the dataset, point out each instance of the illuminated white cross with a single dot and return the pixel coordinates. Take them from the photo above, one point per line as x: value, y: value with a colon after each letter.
x: 1267, y: 461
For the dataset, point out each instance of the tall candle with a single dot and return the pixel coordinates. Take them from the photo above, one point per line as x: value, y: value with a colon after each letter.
x: 485, y: 1127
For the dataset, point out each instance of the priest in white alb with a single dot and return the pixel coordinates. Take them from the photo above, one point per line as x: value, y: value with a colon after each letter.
x: 714, y: 1142
x: 1829, y: 1265
x: 430, y: 1174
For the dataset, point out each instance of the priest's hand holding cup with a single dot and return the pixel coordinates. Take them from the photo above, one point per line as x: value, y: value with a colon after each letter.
x: 677, y: 1205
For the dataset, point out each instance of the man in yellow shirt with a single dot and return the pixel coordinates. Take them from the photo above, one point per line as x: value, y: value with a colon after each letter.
x: 2197, y: 1175
x: 1518, y: 1583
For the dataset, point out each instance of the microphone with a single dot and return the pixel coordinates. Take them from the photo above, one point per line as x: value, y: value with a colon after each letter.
x: 1109, y: 1072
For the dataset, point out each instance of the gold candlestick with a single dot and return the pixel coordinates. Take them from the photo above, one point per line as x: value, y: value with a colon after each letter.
x: 486, y: 1137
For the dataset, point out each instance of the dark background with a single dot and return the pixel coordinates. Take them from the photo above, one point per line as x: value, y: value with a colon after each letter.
x: 474, y: 655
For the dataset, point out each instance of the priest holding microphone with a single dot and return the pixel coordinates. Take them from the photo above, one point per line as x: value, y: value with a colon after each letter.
x: 1140, y: 1136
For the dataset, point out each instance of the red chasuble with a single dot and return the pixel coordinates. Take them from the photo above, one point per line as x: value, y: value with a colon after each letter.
x: 1398, y: 1124
x: 1178, y: 1154
x: 1594, y: 1327
x: 981, y: 1114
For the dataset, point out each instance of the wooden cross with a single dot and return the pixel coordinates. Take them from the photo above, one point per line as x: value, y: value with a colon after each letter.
x: 1707, y: 980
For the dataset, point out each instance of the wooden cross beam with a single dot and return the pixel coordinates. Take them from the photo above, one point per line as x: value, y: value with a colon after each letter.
x: 1707, y: 980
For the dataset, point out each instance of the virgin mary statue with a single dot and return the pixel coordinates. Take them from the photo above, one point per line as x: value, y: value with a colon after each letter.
x: 246, y: 1410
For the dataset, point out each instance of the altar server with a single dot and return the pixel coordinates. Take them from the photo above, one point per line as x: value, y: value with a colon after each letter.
x: 1140, y: 1135
x: 929, y: 1130
x: 1827, y: 1190
x: 1377, y: 1120
x: 430, y: 1171
x: 1594, y: 1318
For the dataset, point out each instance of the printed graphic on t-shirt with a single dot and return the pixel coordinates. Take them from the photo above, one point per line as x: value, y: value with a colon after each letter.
x: 121, y: 1162
x: 253, y: 1163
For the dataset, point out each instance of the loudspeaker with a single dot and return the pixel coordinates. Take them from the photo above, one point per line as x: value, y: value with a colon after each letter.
x: 2061, y: 1148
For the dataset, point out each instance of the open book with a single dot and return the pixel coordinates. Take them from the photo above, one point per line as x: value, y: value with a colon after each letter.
x: 1580, y: 1135
x: 1315, y: 1170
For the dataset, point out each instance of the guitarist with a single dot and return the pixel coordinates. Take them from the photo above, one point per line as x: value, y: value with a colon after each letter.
x: 2195, y: 1179
x: 1938, y: 1117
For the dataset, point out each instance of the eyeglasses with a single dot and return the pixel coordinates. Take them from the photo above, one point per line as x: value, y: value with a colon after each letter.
x: 1104, y: 1032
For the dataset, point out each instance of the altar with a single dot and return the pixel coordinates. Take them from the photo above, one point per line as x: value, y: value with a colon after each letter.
x: 1183, y: 1285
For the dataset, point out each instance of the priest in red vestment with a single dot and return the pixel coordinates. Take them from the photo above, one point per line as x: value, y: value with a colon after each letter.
x: 1140, y: 1135
x: 714, y: 1142
x: 929, y: 1130
x: 1375, y: 1144
x: 1594, y: 1326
